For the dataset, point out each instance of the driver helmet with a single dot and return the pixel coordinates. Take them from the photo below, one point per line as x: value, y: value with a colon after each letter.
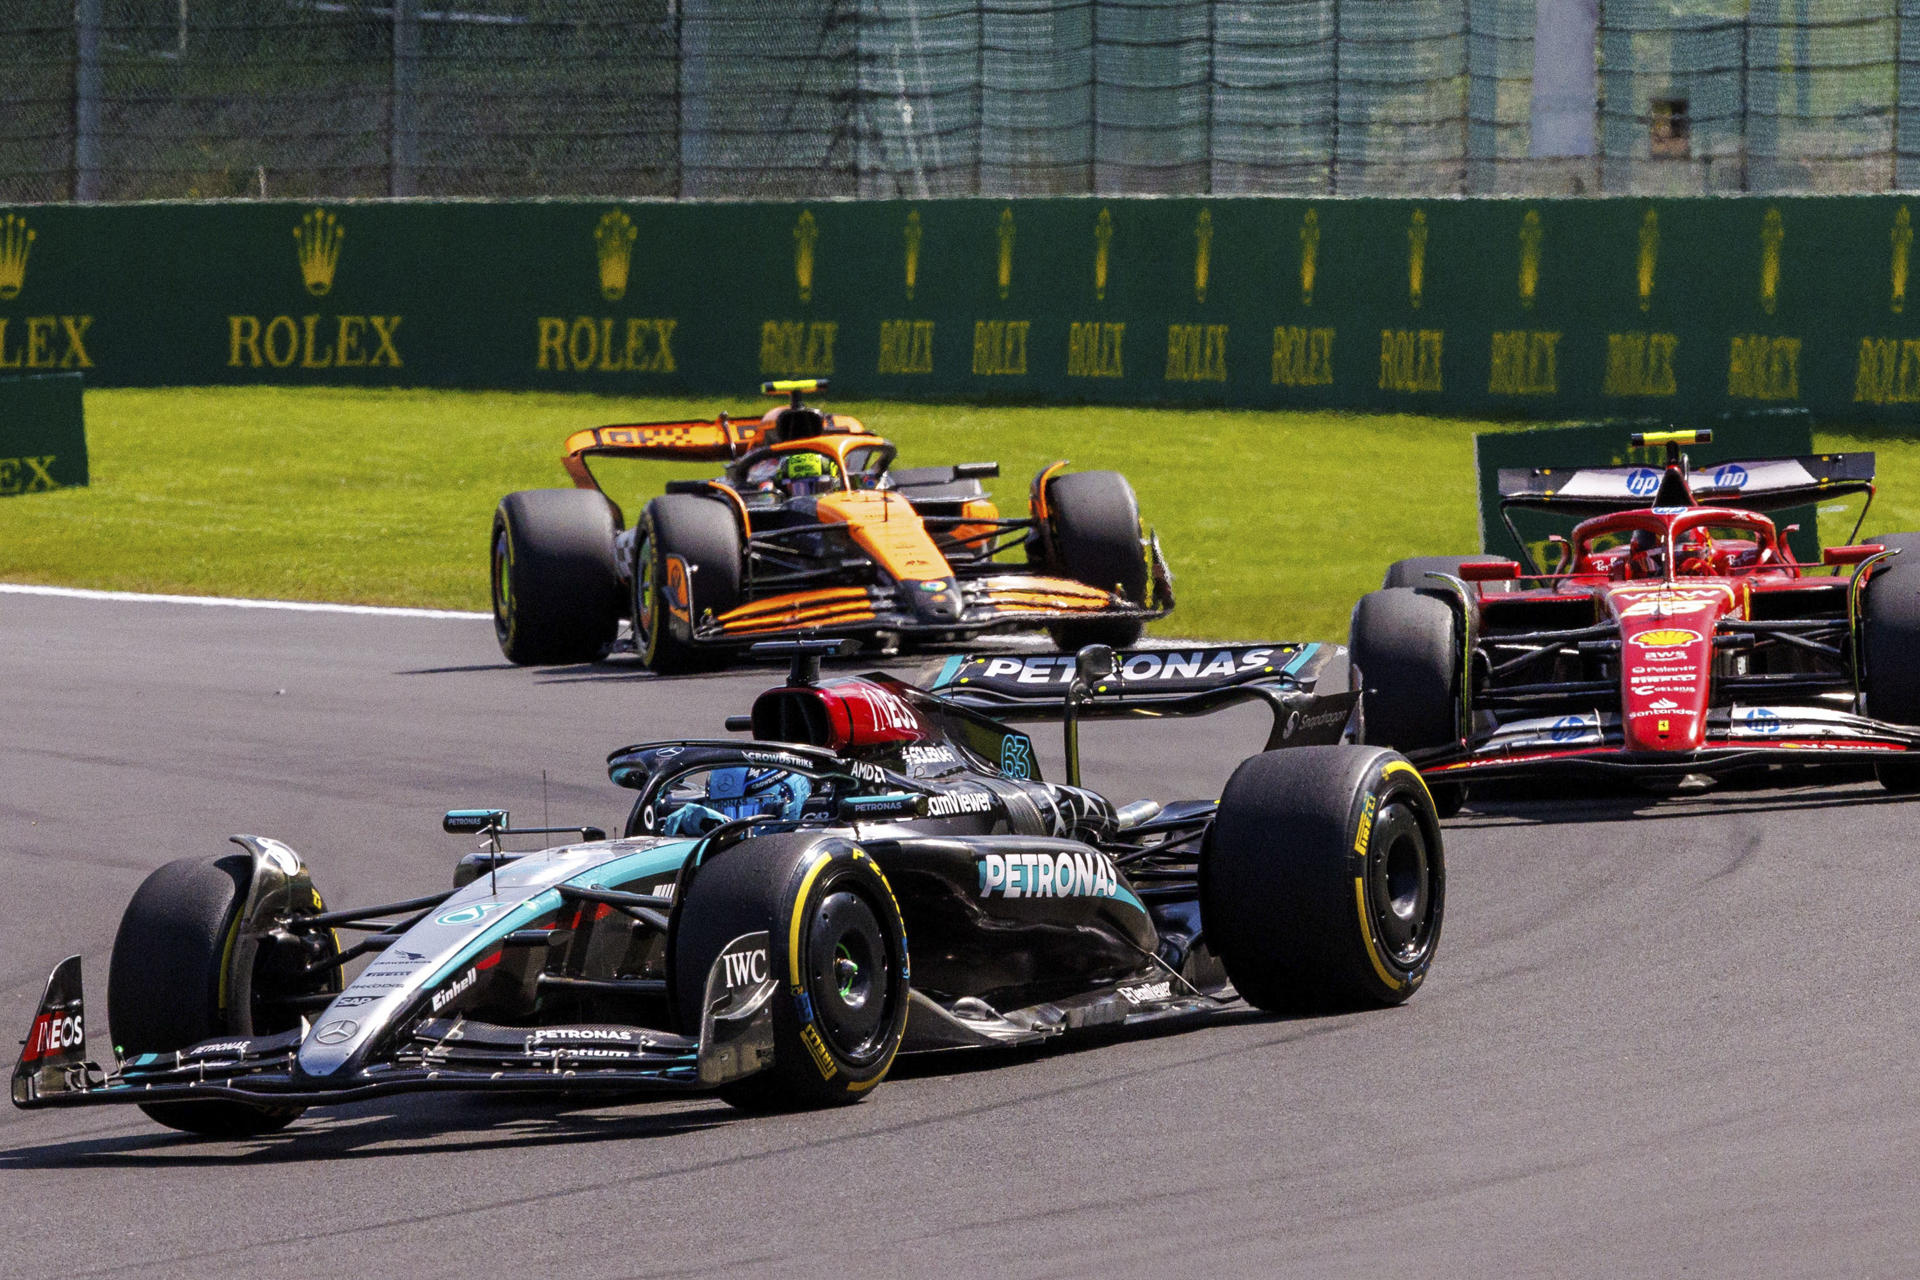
x: 736, y: 792
x: 1646, y: 554
x: 806, y: 473
x: 1696, y: 552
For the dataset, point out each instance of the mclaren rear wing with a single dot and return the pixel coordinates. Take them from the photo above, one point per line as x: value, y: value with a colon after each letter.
x: 1306, y: 686
x: 1764, y: 484
x: 721, y: 440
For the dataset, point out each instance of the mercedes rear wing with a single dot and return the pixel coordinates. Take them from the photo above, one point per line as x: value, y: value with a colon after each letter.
x: 1307, y: 687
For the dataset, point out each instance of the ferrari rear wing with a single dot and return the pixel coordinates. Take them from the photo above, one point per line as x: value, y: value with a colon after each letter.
x: 1306, y: 686
x: 1763, y: 484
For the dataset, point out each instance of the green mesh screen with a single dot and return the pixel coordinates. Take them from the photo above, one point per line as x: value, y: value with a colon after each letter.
x: 923, y: 98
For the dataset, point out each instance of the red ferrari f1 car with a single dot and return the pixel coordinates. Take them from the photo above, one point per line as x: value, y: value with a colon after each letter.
x: 810, y: 531
x: 1674, y: 633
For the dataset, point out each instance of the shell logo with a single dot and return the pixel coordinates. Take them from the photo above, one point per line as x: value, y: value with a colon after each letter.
x: 1666, y: 638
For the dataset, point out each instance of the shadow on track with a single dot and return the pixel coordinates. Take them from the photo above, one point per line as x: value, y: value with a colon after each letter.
x: 450, y: 1124
x: 1517, y: 805
x: 393, y: 1127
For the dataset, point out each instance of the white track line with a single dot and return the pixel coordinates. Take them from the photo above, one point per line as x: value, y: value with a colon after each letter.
x: 288, y: 606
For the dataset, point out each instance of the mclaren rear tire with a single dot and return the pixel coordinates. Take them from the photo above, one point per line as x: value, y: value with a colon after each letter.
x: 1890, y: 621
x: 1094, y: 534
x: 1408, y: 648
x: 837, y: 949
x: 1323, y: 882
x: 165, y: 987
x: 687, y: 554
x: 556, y: 590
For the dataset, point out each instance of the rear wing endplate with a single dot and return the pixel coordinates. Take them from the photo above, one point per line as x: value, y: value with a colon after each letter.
x: 1306, y: 686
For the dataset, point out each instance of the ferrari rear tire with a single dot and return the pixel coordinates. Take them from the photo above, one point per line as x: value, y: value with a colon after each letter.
x: 1413, y: 571
x: 1094, y: 532
x: 165, y: 988
x: 1323, y: 881
x: 837, y: 949
x: 1407, y: 646
x: 1890, y: 620
x: 686, y: 564
x: 556, y: 590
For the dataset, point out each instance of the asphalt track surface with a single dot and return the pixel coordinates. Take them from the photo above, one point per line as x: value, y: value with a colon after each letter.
x: 1669, y: 1037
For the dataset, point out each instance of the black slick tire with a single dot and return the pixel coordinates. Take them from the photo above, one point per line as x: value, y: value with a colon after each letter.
x: 165, y: 988
x: 1890, y: 622
x: 1323, y: 881
x: 687, y: 564
x: 556, y: 590
x: 837, y: 948
x: 1094, y: 536
x: 1407, y: 646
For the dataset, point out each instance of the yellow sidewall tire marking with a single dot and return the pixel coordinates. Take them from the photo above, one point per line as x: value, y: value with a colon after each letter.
x: 861, y: 1086
x: 1366, y: 932
x: 1401, y: 766
x: 793, y: 932
x: 1367, y: 935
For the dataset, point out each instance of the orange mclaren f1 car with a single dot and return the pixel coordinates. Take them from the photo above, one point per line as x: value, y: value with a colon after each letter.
x: 810, y: 531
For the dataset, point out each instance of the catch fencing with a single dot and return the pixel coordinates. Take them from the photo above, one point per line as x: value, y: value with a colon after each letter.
x: 812, y: 99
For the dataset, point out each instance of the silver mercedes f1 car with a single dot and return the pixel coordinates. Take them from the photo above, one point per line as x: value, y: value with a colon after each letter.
x: 748, y: 932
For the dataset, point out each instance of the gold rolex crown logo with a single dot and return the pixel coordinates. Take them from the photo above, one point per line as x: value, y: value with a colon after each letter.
x: 1417, y: 257
x: 913, y: 237
x: 1003, y: 262
x: 1309, y: 254
x: 317, y: 244
x: 1531, y: 234
x: 806, y: 234
x: 1902, y: 250
x: 1102, y: 248
x: 613, y: 237
x: 16, y: 242
x: 1772, y: 232
x: 1649, y: 257
x: 1202, y: 254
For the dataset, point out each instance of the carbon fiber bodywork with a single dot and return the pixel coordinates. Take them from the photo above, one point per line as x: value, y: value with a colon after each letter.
x: 1032, y: 909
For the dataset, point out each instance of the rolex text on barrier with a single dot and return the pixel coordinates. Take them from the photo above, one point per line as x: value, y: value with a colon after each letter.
x: 1547, y: 308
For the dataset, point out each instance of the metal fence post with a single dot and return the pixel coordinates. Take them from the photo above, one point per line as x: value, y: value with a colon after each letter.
x: 87, y: 17
x: 403, y: 148
x: 1333, y: 133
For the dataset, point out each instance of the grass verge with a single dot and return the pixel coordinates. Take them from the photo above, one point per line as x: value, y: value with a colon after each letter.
x: 1275, y: 522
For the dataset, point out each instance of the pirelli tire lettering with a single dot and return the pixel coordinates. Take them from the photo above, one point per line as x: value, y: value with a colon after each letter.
x: 836, y: 956
x: 1395, y: 827
x: 1344, y: 910
x: 845, y: 971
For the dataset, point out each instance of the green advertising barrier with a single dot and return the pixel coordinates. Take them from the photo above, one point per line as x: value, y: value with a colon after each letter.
x: 1545, y: 309
x: 43, y: 434
x: 1737, y: 437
